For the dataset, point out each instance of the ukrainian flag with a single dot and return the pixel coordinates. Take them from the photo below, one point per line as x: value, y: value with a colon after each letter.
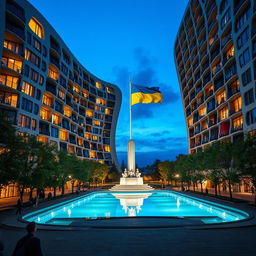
x: 141, y: 94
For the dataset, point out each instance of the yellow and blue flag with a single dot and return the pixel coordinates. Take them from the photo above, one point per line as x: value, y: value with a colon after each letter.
x: 141, y: 94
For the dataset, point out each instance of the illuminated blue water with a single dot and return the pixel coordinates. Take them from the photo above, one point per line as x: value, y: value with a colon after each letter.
x: 130, y: 204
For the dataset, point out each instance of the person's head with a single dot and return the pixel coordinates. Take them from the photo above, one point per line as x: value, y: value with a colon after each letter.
x: 31, y: 227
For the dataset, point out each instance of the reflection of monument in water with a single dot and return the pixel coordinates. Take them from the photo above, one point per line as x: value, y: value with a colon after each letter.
x: 131, y: 203
x: 131, y: 179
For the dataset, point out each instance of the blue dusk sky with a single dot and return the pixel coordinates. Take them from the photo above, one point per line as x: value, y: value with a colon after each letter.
x: 121, y: 39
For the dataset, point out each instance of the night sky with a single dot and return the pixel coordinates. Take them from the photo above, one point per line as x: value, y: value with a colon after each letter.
x: 121, y: 39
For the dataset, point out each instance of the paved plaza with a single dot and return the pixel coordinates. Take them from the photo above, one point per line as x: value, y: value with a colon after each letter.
x: 137, y: 241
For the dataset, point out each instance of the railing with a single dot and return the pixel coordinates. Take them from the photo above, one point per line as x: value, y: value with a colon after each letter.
x: 233, y: 91
x: 11, y: 65
x: 233, y: 111
x: 55, y: 62
x: 211, y: 24
x: 237, y: 128
x: 16, y: 11
x: 228, y: 37
x: 238, y: 5
x: 19, y: 32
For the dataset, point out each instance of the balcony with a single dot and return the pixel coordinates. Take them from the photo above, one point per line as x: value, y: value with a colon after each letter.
x: 214, y: 54
x: 233, y: 111
x: 213, y: 137
x: 209, y: 11
x: 209, y: 94
x: 55, y: 62
x: 238, y: 5
x: 218, y: 85
x: 10, y: 63
x: 17, y: 11
x: 230, y: 72
x: 227, y: 38
x: 233, y: 91
x: 16, y: 30
x: 51, y: 88
x: 211, y: 24
x: 217, y: 69
x: 237, y: 128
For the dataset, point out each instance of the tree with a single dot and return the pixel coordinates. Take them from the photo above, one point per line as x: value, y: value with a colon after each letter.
x: 166, y: 170
x: 101, y: 172
x: 246, y: 158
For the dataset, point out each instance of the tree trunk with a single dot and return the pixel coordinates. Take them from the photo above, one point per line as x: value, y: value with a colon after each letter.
x: 72, y: 183
x: 230, y: 188
x: 219, y: 189
x: 201, y: 184
x: 194, y: 186
x: 21, y: 193
x: 54, y: 192
x: 31, y: 193
x: 63, y: 189
x: 215, y: 187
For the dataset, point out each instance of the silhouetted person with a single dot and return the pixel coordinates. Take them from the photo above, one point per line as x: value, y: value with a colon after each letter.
x: 19, y: 206
x: 1, y: 248
x: 29, y: 245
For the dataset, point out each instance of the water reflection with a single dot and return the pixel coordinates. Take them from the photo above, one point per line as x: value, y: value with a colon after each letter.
x: 131, y: 203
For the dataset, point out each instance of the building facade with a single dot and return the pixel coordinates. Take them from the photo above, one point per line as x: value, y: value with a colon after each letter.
x: 45, y: 91
x: 215, y: 52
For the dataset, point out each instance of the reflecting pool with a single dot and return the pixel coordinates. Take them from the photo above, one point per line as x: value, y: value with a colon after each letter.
x: 131, y: 204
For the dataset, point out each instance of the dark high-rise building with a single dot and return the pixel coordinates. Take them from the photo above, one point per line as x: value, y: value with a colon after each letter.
x: 215, y: 52
x: 45, y: 91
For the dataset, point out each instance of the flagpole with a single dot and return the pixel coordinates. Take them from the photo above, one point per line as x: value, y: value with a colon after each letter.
x: 130, y: 89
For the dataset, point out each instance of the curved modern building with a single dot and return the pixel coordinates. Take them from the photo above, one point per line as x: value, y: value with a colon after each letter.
x: 215, y: 52
x: 45, y: 91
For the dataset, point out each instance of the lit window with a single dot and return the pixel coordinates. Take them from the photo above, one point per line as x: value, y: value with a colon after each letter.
x: 100, y: 101
x: 11, y: 46
x: 13, y: 64
x: 237, y: 122
x: 79, y: 142
x: 24, y: 121
x: 53, y: 74
x: 95, y: 138
x: 92, y: 154
x: 55, y: 119
x: 42, y: 139
x: 204, y: 125
x: 96, y: 123
x: 36, y: 27
x: 87, y: 136
x: 98, y: 85
x: 76, y: 88
x: 236, y: 105
x: 71, y: 149
x: 9, y: 98
x: 28, y: 89
x: 61, y: 94
x: 33, y: 124
x: 190, y: 121
x: 10, y: 81
x: 67, y: 111
x: 202, y: 111
x: 107, y: 148
x: 63, y: 135
x: 45, y: 114
x: 89, y: 113
x: 221, y: 97
x: 85, y: 93
x: 223, y: 113
x: 47, y: 100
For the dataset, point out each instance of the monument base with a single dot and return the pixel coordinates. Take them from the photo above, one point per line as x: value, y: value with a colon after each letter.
x: 131, y: 184
x: 131, y: 181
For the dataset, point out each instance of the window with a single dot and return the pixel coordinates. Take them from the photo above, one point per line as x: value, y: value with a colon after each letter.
x: 244, y: 58
x: 251, y: 117
x: 36, y: 27
x: 34, y: 75
x: 43, y: 66
x: 225, y: 18
x: 223, y: 5
x: 55, y: 119
x: 58, y: 107
x: 243, y: 38
x: 44, y: 51
x: 47, y: 100
x: 248, y: 97
x: 53, y: 74
x: 237, y: 123
x: 9, y: 98
x: 63, y: 81
x: 63, y: 135
x: 41, y: 80
x: 242, y: 19
x: 10, y: 81
x: 93, y: 154
x: 80, y: 142
x: 36, y: 109
x: 67, y: 111
x: 246, y: 77
x: 221, y: 97
x: 61, y: 94
x: 28, y: 89
x: 13, y: 64
x: 223, y: 113
x: 38, y: 94
x: 26, y: 70
x: 33, y: 124
x: 45, y: 114
x: 24, y: 121
x: 29, y: 38
x: 27, y: 105
x: 106, y: 148
x: 236, y: 105
x: 36, y: 44
x: 54, y: 132
x: 64, y: 68
x: 89, y: 113
x: 33, y: 58
x: 12, y: 46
